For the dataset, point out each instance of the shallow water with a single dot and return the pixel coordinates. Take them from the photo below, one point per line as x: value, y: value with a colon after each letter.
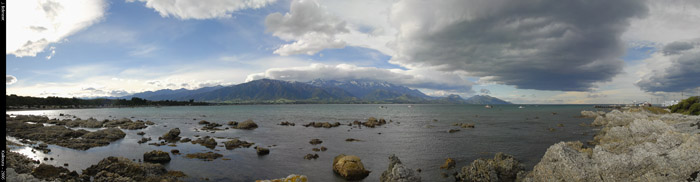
x: 522, y: 133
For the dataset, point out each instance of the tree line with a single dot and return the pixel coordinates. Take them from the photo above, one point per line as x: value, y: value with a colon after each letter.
x: 15, y: 102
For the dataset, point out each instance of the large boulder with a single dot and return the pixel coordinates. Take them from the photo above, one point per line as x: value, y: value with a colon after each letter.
x: 349, y: 167
x: 247, y: 125
x: 397, y: 172
x: 123, y: 169
x: 502, y: 167
x: 206, y: 141
x: 172, y: 136
x: 156, y: 156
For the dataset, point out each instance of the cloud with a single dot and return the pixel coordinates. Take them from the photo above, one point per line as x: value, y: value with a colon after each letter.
x: 485, y: 91
x: 9, y: 79
x: 675, y: 69
x: 543, y: 45
x: 202, y: 9
x: 38, y: 23
x: 425, y: 78
x: 309, y: 25
x: 668, y: 21
x: 53, y: 52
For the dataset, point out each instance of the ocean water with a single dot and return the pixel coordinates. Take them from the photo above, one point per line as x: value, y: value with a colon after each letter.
x: 413, y: 136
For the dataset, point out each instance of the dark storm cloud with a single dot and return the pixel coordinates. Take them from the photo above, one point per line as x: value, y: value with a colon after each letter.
x: 677, y: 47
x: 683, y: 74
x: 543, y: 45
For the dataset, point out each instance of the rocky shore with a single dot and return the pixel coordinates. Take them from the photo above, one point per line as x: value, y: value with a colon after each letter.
x: 632, y: 145
x: 32, y: 128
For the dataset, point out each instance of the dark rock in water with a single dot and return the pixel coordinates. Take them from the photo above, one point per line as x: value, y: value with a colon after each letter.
x: 324, y: 149
x: 211, y: 126
x: 247, y: 125
x: 172, y: 136
x: 203, y: 122
x: 322, y: 124
x: 287, y: 123
x: 373, y: 122
x: 175, y: 151
x: 156, y: 156
x: 205, y: 156
x: 349, y: 167
x: 122, y: 169
x: 311, y: 156
x: 206, y: 141
x: 449, y: 164
x: 236, y: 143
x: 60, y: 135
x: 352, y: 140
x: 262, y: 151
x: 49, y: 172
x: 150, y: 123
x: 316, y: 149
x: 144, y: 140
x: 185, y: 140
x: 315, y: 141
x: 502, y: 167
x: 397, y: 172
x: 233, y: 123
x: 141, y: 133
x: 452, y: 130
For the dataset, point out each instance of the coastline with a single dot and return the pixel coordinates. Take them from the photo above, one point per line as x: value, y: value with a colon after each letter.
x: 655, y: 127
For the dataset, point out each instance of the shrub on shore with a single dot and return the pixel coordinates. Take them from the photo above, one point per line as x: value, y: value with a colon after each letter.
x: 690, y: 106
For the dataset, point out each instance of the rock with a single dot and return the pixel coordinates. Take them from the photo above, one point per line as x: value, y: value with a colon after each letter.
x: 206, y: 142
x: 315, y: 141
x: 175, y: 151
x: 452, y: 130
x: 316, y: 149
x: 373, y: 122
x: 311, y: 156
x: 322, y: 124
x: 203, y: 122
x: 286, y: 123
x: 502, y: 167
x: 49, y: 172
x: 349, y: 167
x: 183, y: 140
x: 262, y: 151
x: 144, y: 140
x: 449, y: 164
x: 150, y: 123
x: 123, y: 169
x: 467, y: 125
x: 560, y: 125
x: 589, y: 114
x: 156, y: 156
x: 211, y: 126
x: 172, y: 136
x: 290, y: 178
x: 633, y: 145
x: 247, y: 125
x: 236, y: 143
x: 60, y: 135
x: 397, y: 172
x: 352, y: 140
x: 323, y: 149
x: 205, y: 156
x: 141, y: 133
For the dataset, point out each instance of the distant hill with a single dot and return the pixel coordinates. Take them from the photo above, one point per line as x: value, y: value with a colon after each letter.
x: 372, y: 90
x: 485, y: 99
x: 316, y: 91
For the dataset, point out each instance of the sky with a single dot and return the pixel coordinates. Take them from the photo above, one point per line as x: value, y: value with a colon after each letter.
x: 528, y: 51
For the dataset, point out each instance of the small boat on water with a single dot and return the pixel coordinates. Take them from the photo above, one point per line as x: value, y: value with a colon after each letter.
x: 488, y: 106
x: 410, y: 106
x: 520, y: 107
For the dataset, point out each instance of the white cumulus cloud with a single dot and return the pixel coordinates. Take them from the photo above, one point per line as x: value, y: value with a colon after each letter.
x: 34, y: 24
x: 308, y: 24
x: 202, y: 9
x: 10, y: 79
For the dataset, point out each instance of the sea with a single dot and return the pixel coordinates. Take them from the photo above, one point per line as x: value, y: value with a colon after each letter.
x: 417, y: 134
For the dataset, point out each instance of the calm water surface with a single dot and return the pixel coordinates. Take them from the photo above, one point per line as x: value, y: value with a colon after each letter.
x: 414, y: 136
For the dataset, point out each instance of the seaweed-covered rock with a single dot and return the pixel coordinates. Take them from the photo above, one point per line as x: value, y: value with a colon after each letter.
x: 449, y: 164
x: 397, y: 172
x: 206, y: 142
x: 62, y: 136
x: 311, y: 156
x: 247, y: 125
x: 156, y: 156
x: 208, y: 156
x: 123, y: 169
x: 315, y: 141
x: 349, y: 167
x: 172, y: 136
x: 290, y: 178
x: 262, y: 151
x: 49, y: 172
x: 502, y: 167
x: 236, y: 143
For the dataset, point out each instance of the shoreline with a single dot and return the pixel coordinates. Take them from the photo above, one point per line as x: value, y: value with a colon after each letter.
x: 587, y: 158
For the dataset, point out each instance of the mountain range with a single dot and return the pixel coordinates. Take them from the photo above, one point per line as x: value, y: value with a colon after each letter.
x: 315, y: 91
